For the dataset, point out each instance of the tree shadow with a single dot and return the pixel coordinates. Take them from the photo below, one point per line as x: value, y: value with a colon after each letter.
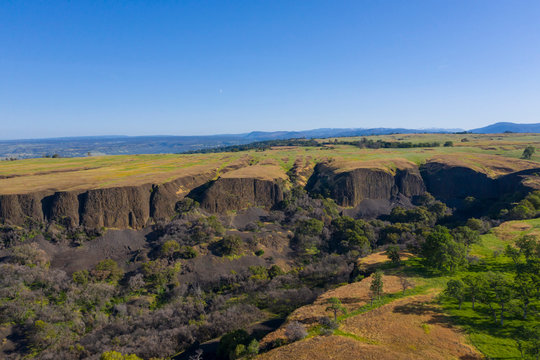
x: 352, y: 300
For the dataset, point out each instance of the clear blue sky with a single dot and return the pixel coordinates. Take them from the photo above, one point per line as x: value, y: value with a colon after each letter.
x: 206, y: 67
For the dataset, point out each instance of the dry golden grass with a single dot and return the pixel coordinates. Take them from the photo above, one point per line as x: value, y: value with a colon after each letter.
x: 509, y: 230
x: 324, y: 348
x: 379, y: 258
x: 492, y: 154
x: 388, y: 165
x: 352, y: 296
x: 66, y: 174
x: 409, y: 329
x: 491, y: 165
x: 259, y: 171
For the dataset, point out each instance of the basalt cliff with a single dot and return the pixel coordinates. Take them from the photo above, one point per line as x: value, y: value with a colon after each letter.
x: 240, y: 187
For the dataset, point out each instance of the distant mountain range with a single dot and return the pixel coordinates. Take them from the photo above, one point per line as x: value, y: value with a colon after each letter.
x: 119, y: 144
x: 502, y: 127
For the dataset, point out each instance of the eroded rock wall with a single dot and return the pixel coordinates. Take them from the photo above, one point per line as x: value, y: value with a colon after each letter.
x: 165, y: 196
x: 18, y: 207
x: 451, y: 183
x: 349, y: 188
x: 116, y: 207
x: 239, y: 193
x: 137, y: 206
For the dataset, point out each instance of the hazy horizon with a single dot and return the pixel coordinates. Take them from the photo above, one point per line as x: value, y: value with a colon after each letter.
x: 205, y: 68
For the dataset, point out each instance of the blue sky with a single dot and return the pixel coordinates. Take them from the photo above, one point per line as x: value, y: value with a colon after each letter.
x: 205, y: 67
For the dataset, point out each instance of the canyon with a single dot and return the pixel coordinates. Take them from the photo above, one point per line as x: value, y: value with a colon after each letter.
x: 246, y: 185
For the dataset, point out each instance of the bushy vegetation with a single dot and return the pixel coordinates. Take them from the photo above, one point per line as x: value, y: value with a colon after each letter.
x: 258, y: 146
x: 158, y: 303
x: 496, y: 300
x: 381, y: 144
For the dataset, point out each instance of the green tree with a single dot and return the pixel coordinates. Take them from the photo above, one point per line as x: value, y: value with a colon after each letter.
x: 274, y: 271
x: 350, y: 234
x: 159, y: 273
x: 513, y: 253
x: 528, y: 338
x: 528, y: 246
x: 310, y: 227
x: 526, y: 289
x: 107, y: 270
x: 466, y: 236
x: 476, y: 224
x: 486, y: 294
x: 188, y: 252
x: 252, y: 349
x: 336, y: 306
x: 441, y: 251
x: 528, y: 152
x: 115, y: 355
x: 231, y: 245
x: 502, y: 292
x: 229, y: 343
x: 376, y: 287
x: 392, y: 252
x: 170, y: 249
x: 81, y: 277
x: 473, y: 287
x: 455, y: 289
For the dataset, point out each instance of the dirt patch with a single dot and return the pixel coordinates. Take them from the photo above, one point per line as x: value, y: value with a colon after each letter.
x: 119, y: 245
x: 379, y: 258
x: 510, y: 230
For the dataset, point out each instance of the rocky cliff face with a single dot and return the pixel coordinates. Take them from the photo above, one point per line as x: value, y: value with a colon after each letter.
x: 242, y: 186
x: 164, y: 197
x: 239, y: 193
x: 117, y: 207
x: 351, y: 187
x: 16, y: 208
x: 452, y: 183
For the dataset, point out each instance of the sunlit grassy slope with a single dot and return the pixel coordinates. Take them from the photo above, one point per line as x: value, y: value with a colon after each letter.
x: 385, y: 331
x: 105, y: 171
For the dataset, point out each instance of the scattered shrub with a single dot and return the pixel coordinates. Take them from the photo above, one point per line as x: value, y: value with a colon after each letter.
x: 295, y: 331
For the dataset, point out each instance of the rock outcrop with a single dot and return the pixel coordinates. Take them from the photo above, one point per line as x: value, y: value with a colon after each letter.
x: 350, y: 186
x: 239, y: 193
x: 259, y: 185
x: 115, y: 207
x: 17, y: 208
x: 375, y: 186
x: 451, y: 183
